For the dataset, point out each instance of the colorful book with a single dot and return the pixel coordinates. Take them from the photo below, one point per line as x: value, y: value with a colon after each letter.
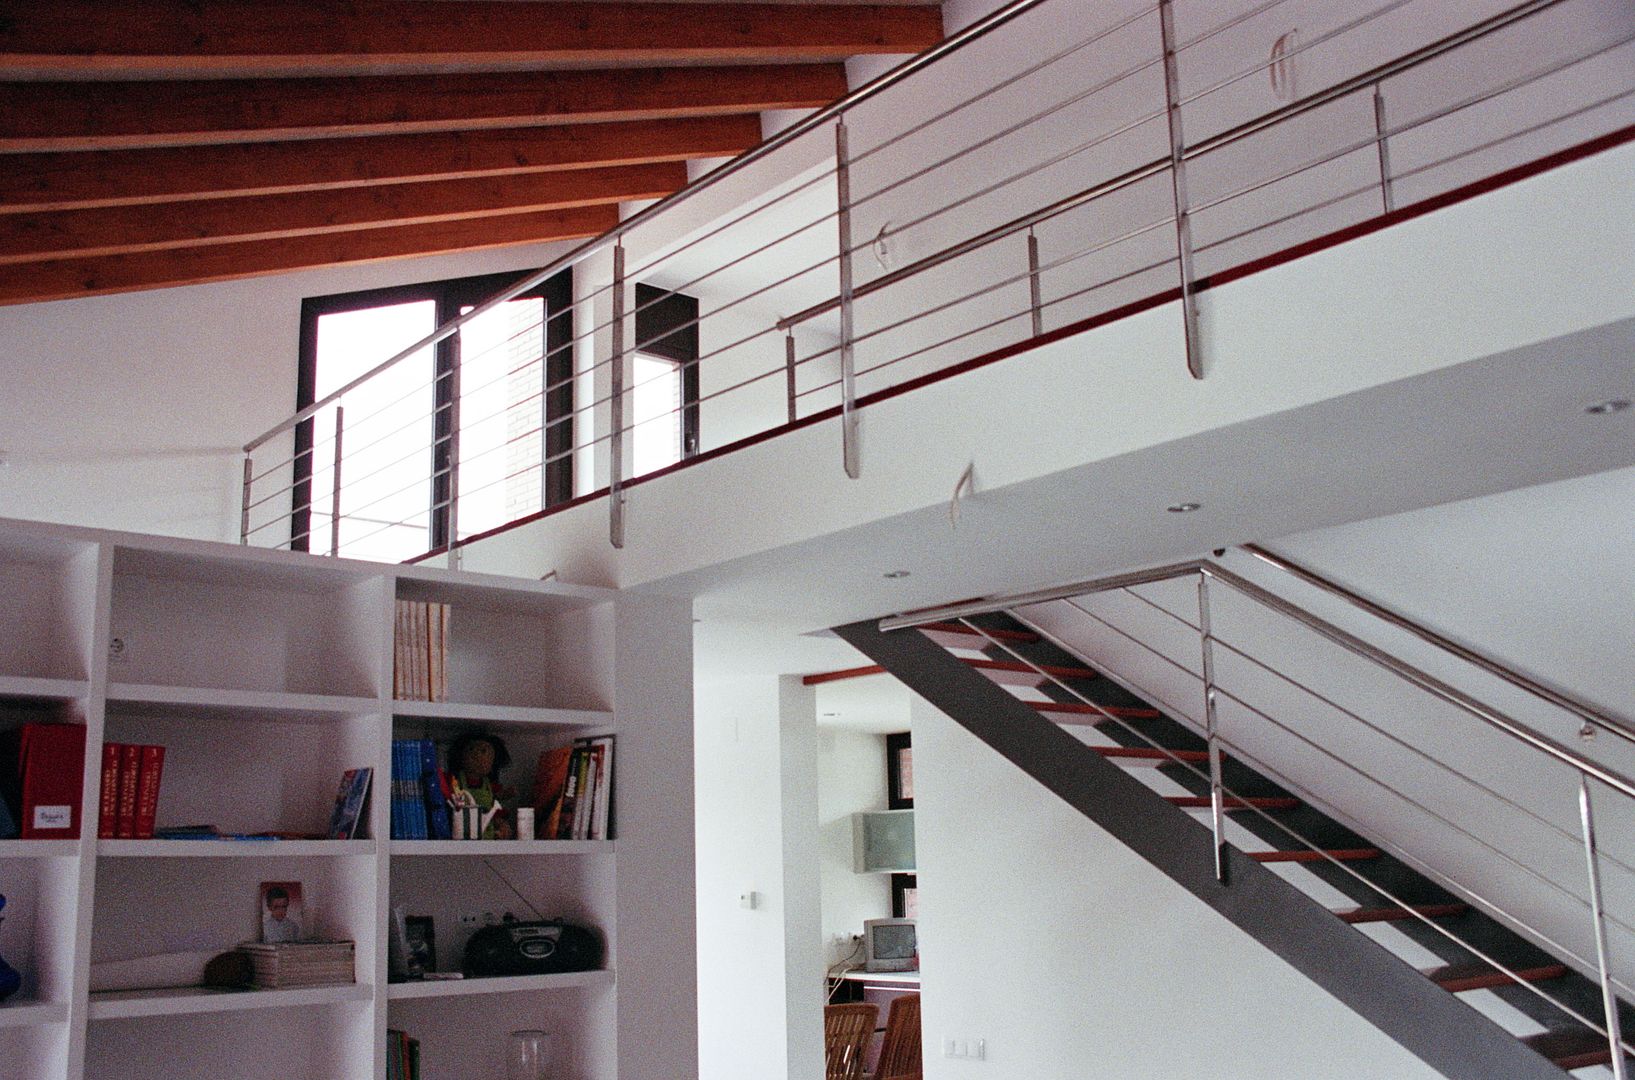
x: 108, y: 803
x: 550, y: 781
x: 439, y: 824
x: 147, y: 790
x: 347, y: 819
x: 130, y: 775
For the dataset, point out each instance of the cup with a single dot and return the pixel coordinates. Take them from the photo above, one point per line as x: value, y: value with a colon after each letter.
x: 528, y: 1056
x: 525, y: 823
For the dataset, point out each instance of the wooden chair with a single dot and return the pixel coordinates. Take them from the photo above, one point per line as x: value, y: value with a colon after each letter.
x: 846, y: 1031
x: 900, y: 1049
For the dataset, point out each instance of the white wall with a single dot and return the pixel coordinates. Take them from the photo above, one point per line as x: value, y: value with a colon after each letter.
x: 851, y: 778
x: 131, y: 411
x: 1073, y: 957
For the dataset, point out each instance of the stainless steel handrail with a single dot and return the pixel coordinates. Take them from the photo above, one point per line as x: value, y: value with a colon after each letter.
x: 1350, y: 642
x: 947, y: 47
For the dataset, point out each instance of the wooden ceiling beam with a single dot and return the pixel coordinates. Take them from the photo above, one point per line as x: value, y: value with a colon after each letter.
x: 28, y: 238
x: 70, y: 180
x: 100, y: 115
x: 295, y: 37
x: 70, y: 278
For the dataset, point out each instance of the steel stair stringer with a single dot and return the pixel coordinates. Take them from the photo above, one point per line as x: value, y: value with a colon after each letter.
x: 1430, y: 1023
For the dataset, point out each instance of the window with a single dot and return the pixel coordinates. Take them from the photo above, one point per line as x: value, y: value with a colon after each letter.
x: 663, y: 380
x: 486, y: 413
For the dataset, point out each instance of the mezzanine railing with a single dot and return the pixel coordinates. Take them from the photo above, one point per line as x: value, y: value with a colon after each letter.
x: 1054, y: 164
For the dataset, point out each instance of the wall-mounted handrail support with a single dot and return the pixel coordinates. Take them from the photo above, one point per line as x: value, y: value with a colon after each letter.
x: 1178, y: 183
x: 848, y: 359
x: 615, y: 445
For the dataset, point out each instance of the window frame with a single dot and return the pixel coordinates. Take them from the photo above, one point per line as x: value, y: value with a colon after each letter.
x: 449, y: 296
x: 667, y: 328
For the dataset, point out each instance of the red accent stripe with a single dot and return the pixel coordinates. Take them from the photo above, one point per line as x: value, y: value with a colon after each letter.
x: 1029, y: 669
x: 843, y: 673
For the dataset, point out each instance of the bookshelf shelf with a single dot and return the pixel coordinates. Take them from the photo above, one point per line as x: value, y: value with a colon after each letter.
x: 502, y: 715
x: 228, y: 849
x: 237, y: 704
x: 457, y: 848
x: 509, y: 984
x: 38, y: 849
x: 15, y: 1014
x: 32, y: 688
x: 188, y: 1001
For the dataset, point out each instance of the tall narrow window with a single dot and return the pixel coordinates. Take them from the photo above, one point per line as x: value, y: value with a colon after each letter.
x: 663, y: 380
x: 469, y: 435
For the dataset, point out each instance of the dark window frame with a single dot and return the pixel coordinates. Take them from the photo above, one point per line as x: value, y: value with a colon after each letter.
x: 896, y: 743
x: 667, y: 327
x: 450, y: 296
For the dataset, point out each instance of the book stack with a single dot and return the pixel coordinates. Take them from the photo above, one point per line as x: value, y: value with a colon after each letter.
x: 130, y: 790
x: 402, y: 1056
x: 573, y: 791
x: 293, y: 964
x: 41, y: 777
x: 420, y: 656
x: 419, y: 792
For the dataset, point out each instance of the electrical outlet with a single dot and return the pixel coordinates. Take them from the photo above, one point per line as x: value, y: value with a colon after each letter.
x: 968, y: 1048
x: 119, y: 649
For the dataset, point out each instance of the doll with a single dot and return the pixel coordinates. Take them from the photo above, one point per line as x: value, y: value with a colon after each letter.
x: 476, y: 760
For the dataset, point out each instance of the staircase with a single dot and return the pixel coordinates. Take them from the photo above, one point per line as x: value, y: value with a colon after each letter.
x: 1451, y: 980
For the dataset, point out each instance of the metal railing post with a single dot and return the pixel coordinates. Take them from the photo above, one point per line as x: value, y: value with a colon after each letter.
x: 1217, y: 802
x: 1178, y: 178
x: 1382, y: 143
x: 789, y: 370
x: 453, y: 463
x: 615, y: 446
x: 1035, y: 288
x: 1609, y: 999
x: 244, y: 502
x: 335, y: 492
x: 848, y: 359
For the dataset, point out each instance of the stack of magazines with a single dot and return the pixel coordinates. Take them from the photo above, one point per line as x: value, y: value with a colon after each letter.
x: 291, y: 964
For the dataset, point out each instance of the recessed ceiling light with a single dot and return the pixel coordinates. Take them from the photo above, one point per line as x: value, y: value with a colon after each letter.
x: 1602, y: 408
x: 893, y: 574
x: 1184, y: 508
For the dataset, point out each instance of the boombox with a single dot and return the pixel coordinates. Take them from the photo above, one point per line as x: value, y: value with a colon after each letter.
x: 549, y: 947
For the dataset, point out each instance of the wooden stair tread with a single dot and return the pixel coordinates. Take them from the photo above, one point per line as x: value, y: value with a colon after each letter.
x: 1151, y: 753
x: 1397, y: 914
x: 1572, y: 1048
x: 1233, y: 802
x: 1337, y: 854
x: 1080, y: 708
x: 1458, y: 978
x: 1059, y: 671
x: 997, y: 635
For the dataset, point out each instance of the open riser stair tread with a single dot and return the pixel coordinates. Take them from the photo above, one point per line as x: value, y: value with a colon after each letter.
x: 1572, y: 1048
x: 1359, y: 916
x: 1233, y: 802
x: 1461, y: 978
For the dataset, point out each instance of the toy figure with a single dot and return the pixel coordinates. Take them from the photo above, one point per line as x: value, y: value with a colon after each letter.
x: 476, y: 761
x: 10, y: 980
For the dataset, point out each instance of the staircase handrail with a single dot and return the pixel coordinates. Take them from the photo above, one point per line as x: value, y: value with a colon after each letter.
x: 1414, y: 674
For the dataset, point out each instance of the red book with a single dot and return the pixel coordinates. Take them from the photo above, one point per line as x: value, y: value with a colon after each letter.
x: 53, y: 768
x: 108, y: 806
x: 147, y: 790
x: 130, y: 772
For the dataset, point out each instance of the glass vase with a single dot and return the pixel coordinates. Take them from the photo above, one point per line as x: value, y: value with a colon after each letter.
x: 528, y: 1056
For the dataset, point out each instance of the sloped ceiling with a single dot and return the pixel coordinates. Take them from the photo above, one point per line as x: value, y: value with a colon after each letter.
x: 184, y: 141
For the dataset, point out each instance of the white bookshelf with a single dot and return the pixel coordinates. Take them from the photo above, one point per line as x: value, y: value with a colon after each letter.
x: 266, y: 675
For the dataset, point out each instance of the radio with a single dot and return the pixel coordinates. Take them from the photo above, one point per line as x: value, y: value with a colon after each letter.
x: 547, y: 947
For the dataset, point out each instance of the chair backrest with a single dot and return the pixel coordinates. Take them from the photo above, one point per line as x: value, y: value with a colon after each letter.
x: 846, y: 1031
x: 900, y: 1050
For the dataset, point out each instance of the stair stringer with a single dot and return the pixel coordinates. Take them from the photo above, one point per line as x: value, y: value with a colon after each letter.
x: 1430, y: 1023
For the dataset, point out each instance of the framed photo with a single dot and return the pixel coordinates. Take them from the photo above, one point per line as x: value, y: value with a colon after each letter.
x: 905, y: 896
x: 421, y: 938
x: 900, y: 771
x: 282, y: 912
